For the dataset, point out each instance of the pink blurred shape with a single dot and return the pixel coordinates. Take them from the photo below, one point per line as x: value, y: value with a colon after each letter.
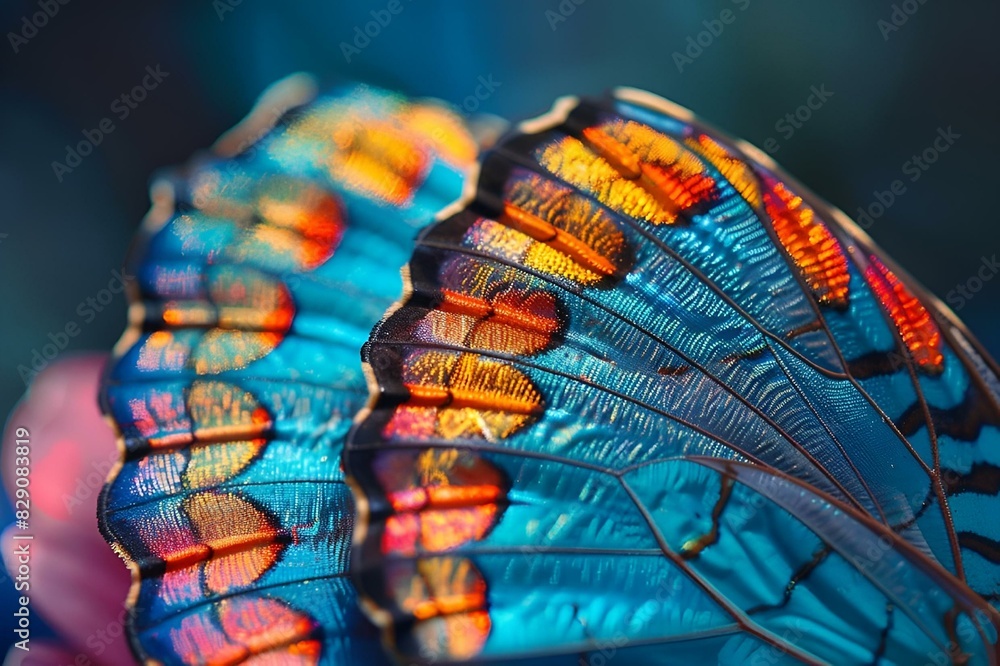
x: 77, y: 583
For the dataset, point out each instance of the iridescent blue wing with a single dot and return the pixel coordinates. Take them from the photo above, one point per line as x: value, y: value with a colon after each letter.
x: 254, y: 284
x: 628, y: 289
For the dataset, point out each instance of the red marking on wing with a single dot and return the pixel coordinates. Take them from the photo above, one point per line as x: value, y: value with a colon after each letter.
x: 915, y: 325
x: 815, y: 251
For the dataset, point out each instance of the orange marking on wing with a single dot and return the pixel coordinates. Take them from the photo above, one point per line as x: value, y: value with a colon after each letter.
x: 512, y: 390
x: 163, y: 351
x: 458, y: 398
x: 266, y: 626
x: 674, y: 172
x: 186, y: 557
x: 251, y: 301
x: 465, y: 634
x: 617, y: 154
x: 499, y: 336
x: 410, y: 421
x: 542, y: 231
x: 467, y: 394
x: 492, y: 425
x: 444, y: 580
x: 221, y: 427
x: 199, y: 641
x: 211, y: 464
x: 444, y: 130
x: 443, y: 498
x: 303, y: 653
x: 447, y: 597
x: 445, y: 529
x: 733, y: 169
x: 453, y: 301
x: 553, y: 228
x: 383, y: 151
x: 450, y: 601
x: 255, y: 621
x: 254, y: 630
x: 158, y: 414
x: 470, y: 381
x: 663, y: 185
x: 378, y: 158
x: 401, y: 533
x: 249, y: 314
x: 670, y: 179
x: 221, y: 411
x: 514, y: 321
x: 170, y: 442
x: 220, y: 350
x: 181, y: 586
x: 437, y: 530
x: 534, y: 311
x: 282, y: 216
x: 235, y: 541
x: 916, y: 327
x: 674, y: 190
x: 309, y: 211
x: 181, y: 313
x: 815, y: 251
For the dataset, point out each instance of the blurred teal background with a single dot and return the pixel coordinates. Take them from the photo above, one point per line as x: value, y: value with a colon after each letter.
x: 743, y: 65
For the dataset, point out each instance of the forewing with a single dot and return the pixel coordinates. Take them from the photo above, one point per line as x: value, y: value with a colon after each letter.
x: 626, y: 287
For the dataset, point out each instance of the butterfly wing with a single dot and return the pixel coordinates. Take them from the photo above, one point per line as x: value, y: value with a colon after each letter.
x: 255, y: 282
x: 626, y: 288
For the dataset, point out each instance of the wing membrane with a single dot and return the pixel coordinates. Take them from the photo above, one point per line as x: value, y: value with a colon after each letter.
x: 632, y: 303
x: 257, y: 279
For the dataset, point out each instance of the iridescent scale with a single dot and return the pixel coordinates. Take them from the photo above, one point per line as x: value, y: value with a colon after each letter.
x: 256, y: 281
x: 649, y: 397
x: 646, y: 398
